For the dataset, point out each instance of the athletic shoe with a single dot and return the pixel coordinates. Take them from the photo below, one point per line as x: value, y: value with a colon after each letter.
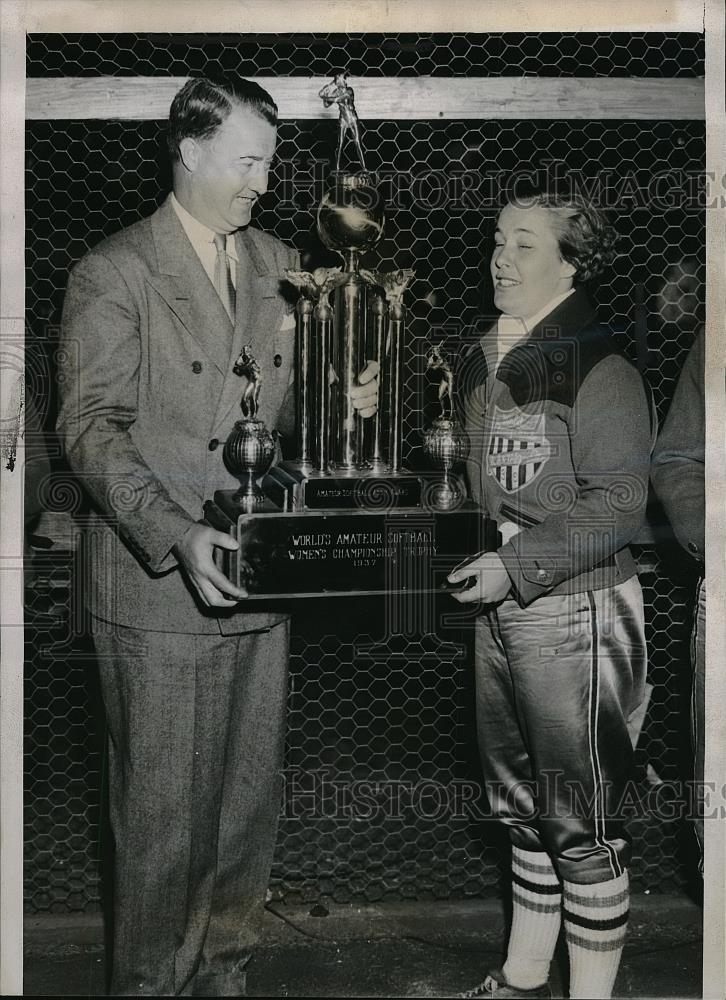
x: 496, y: 985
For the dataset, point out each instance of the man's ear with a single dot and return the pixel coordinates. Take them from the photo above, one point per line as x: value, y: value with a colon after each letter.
x: 189, y: 153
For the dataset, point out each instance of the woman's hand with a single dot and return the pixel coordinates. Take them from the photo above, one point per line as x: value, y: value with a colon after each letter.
x: 492, y: 580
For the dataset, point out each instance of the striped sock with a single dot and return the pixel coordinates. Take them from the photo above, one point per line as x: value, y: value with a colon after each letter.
x: 536, y: 898
x: 596, y: 918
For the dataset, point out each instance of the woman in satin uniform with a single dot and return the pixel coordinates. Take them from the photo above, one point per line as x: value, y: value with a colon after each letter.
x: 561, y: 440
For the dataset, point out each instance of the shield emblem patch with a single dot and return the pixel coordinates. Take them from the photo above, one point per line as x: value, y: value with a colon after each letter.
x: 517, y: 454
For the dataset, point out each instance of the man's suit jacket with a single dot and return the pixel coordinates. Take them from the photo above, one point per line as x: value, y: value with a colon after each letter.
x: 147, y: 390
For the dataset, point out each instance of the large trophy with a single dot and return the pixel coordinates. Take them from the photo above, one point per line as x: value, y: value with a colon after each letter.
x: 345, y: 517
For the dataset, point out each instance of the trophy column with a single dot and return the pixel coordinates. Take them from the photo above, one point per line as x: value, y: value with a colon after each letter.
x: 323, y: 409
x: 376, y: 346
x: 350, y: 220
x: 305, y: 395
x: 348, y: 360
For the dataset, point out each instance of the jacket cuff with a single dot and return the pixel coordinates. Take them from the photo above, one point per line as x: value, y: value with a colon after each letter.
x: 153, y: 547
x: 531, y: 576
x: 695, y: 547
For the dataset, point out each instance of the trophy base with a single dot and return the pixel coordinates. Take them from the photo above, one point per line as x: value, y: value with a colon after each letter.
x: 346, y: 553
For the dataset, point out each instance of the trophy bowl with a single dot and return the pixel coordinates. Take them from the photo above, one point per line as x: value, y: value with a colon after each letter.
x: 350, y: 214
x: 249, y: 451
x: 446, y: 444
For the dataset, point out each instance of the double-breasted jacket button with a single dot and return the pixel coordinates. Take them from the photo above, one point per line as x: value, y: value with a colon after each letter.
x: 277, y: 360
x: 196, y: 367
x: 693, y: 547
x: 213, y: 444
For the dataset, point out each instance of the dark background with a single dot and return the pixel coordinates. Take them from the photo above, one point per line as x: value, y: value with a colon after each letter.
x: 369, y: 702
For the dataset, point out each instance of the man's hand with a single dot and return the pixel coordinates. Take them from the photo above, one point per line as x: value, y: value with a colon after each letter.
x: 195, y: 552
x: 364, y: 396
x: 492, y: 580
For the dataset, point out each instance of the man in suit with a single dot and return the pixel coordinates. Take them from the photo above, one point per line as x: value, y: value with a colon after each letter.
x: 194, y: 690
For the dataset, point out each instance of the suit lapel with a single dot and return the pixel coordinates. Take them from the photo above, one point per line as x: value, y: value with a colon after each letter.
x: 183, y: 284
x: 251, y: 267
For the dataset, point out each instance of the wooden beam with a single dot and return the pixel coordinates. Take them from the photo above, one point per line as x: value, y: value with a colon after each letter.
x: 389, y: 98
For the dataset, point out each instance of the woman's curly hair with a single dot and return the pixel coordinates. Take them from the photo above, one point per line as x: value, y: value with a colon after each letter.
x: 585, y: 236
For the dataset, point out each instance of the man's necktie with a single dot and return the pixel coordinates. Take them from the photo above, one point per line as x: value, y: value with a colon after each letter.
x: 223, y: 275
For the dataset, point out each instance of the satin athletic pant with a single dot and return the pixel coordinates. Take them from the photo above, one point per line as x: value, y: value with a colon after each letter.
x: 556, y: 684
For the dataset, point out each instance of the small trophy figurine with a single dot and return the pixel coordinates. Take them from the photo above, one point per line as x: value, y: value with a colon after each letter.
x: 341, y: 93
x: 445, y: 442
x: 249, y: 451
x: 351, y: 212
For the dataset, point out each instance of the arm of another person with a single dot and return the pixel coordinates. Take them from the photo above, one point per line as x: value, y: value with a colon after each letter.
x: 679, y: 458
x: 596, y: 514
x: 98, y: 407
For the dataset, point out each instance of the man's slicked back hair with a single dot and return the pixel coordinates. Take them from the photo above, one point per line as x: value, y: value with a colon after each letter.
x: 203, y: 105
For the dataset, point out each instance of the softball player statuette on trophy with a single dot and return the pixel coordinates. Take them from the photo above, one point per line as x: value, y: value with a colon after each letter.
x: 445, y: 443
x: 249, y: 451
x: 344, y: 516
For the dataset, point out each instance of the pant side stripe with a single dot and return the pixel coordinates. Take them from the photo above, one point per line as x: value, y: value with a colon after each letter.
x: 592, y: 724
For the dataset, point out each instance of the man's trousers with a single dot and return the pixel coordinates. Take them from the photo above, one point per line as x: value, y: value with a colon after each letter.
x: 556, y: 683
x: 196, y: 736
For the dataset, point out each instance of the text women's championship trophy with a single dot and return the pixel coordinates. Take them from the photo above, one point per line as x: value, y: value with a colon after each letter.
x: 344, y: 517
